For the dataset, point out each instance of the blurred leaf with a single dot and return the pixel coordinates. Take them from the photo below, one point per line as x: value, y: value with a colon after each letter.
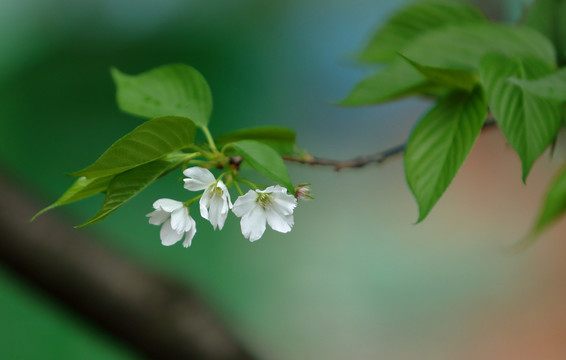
x: 126, y: 185
x: 528, y: 122
x: 552, y: 86
x: 169, y: 90
x: 81, y: 189
x: 260, y: 133
x: 448, y: 77
x: 265, y: 160
x: 548, y: 17
x: 397, y: 81
x: 413, y: 21
x: 554, y: 204
x: 440, y: 143
x: 150, y: 141
x: 453, y: 47
x: 281, y: 139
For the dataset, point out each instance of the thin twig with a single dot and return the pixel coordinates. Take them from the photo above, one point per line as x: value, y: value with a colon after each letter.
x: 363, y: 160
x: 359, y: 161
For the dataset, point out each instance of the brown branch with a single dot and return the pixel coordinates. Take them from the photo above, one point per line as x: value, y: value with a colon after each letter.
x: 357, y: 162
x: 157, y: 317
x: 364, y: 160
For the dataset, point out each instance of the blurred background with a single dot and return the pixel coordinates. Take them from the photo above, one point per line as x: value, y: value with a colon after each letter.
x: 355, y: 279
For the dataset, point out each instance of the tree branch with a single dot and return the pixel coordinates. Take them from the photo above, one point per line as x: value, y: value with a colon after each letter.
x: 363, y: 160
x: 156, y: 317
x: 359, y: 161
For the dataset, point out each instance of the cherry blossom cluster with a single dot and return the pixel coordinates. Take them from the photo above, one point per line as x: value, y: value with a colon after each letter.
x: 272, y: 205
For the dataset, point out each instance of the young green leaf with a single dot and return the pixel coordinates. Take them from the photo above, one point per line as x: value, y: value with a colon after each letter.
x: 126, y: 185
x: 81, y: 189
x: 547, y: 16
x: 452, y: 78
x: 279, y: 138
x: 394, y: 82
x: 453, y: 47
x: 551, y: 87
x: 413, y: 21
x: 554, y: 205
x: 265, y: 160
x: 150, y: 141
x: 169, y: 90
x: 529, y: 123
x: 440, y: 143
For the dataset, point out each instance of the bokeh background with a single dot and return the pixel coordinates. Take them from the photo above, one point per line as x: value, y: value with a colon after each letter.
x: 355, y: 279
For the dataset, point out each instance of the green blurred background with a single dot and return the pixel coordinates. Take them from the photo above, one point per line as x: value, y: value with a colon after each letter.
x: 355, y: 279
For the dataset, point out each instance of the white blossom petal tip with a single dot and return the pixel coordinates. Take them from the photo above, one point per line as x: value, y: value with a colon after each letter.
x: 198, y: 178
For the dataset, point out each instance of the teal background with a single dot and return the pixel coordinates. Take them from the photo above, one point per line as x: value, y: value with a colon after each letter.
x: 355, y: 279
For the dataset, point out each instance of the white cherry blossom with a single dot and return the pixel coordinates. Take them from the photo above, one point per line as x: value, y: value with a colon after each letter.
x: 176, y: 222
x: 272, y: 205
x: 215, y: 201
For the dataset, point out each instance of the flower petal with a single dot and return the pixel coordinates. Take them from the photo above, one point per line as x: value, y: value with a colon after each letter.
x: 168, y: 235
x: 253, y: 223
x: 198, y: 178
x: 190, y: 233
x: 204, y: 203
x: 279, y: 222
x: 245, y: 203
x: 273, y: 188
x: 180, y: 220
x: 225, y: 193
x: 218, y: 211
x: 157, y: 217
x: 167, y: 205
x: 283, y: 203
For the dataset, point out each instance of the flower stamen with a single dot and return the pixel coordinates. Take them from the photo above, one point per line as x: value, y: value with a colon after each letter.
x: 264, y: 200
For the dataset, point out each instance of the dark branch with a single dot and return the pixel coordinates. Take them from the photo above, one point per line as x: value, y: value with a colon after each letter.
x: 157, y: 317
x: 364, y: 160
x: 359, y: 161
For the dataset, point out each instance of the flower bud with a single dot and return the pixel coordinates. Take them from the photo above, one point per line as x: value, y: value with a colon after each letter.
x: 303, y: 191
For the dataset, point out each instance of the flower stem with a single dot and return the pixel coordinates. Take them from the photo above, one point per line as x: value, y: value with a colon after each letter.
x: 247, y: 182
x: 190, y: 201
x: 209, y: 139
x: 198, y: 161
x: 238, y: 188
x: 223, y: 150
x: 183, y: 156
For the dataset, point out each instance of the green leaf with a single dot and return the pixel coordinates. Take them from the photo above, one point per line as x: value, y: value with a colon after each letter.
x: 547, y: 17
x: 529, y: 123
x: 281, y: 139
x: 169, y: 90
x: 552, y: 86
x: 81, y: 189
x: 453, y: 47
x: 440, y: 143
x: 397, y: 81
x: 148, y: 142
x: 126, y: 185
x: 413, y: 21
x: 265, y: 160
x: 554, y: 204
x: 460, y: 79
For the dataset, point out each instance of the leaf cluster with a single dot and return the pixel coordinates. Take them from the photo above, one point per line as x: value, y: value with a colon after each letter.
x: 175, y: 101
x: 445, y: 50
x: 471, y: 67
